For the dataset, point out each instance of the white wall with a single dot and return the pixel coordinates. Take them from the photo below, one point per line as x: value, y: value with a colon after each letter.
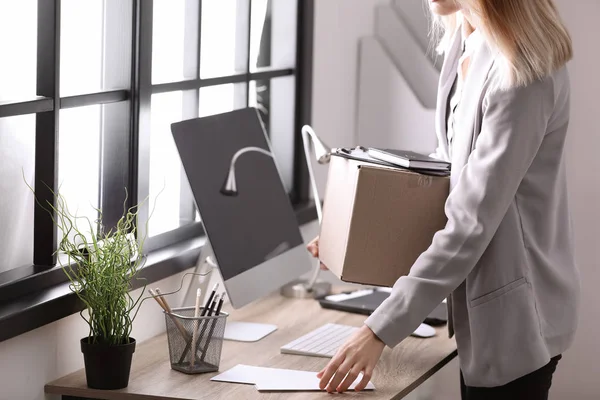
x: 339, y: 24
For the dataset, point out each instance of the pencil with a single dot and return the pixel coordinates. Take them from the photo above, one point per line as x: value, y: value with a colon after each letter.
x: 158, y: 299
x: 162, y: 302
x: 161, y: 297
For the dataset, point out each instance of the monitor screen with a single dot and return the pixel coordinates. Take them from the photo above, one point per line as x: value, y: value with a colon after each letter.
x: 258, y: 222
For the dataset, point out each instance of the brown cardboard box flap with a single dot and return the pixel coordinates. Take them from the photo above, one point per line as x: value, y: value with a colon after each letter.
x: 377, y: 220
x: 337, y: 212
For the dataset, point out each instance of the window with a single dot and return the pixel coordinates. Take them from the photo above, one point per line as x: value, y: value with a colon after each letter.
x: 90, y: 92
x: 216, y: 50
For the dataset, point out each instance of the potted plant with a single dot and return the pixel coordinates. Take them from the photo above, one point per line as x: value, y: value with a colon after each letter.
x: 101, y: 266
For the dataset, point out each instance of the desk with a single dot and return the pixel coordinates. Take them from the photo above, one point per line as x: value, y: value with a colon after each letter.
x: 398, y: 373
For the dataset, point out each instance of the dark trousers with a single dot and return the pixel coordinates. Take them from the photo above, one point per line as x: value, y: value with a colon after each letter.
x: 533, y: 386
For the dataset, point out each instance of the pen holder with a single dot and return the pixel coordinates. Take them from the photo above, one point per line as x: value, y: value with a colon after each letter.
x: 195, y: 343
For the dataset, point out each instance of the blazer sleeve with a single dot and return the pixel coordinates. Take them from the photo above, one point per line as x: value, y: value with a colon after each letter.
x: 513, y: 127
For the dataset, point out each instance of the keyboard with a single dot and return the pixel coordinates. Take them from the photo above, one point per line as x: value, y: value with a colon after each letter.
x: 322, y: 342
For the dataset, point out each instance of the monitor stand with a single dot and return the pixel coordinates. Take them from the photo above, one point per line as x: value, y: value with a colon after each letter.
x: 234, y: 330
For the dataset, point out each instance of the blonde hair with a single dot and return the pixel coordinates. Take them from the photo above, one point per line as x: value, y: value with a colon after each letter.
x: 529, y: 35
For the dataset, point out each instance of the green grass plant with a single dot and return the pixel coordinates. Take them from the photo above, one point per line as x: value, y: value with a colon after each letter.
x: 101, y: 265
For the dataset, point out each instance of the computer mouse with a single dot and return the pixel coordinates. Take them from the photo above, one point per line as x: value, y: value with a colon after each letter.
x: 424, y: 331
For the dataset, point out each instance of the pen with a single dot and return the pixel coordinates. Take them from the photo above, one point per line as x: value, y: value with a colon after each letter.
x: 218, y: 312
x: 195, y: 344
x: 195, y: 333
x: 212, y: 306
x: 206, y: 311
x: 210, y: 299
x: 212, y: 326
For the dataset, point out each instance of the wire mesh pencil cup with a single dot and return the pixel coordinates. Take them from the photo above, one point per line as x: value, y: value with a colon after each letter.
x: 202, y: 334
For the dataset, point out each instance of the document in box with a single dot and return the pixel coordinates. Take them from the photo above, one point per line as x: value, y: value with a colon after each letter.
x: 275, y: 379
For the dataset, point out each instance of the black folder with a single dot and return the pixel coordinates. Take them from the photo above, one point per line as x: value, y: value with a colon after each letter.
x: 367, y: 303
x: 360, y: 153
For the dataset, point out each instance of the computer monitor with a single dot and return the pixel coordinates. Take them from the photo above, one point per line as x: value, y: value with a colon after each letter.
x: 246, y: 212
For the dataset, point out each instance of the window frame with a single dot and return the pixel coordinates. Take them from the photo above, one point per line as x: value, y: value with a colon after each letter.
x: 35, y: 295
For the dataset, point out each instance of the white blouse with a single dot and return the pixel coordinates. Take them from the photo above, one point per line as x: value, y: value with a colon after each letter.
x: 470, y: 45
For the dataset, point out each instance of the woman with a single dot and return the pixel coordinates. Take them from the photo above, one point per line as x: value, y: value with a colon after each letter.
x: 505, y: 258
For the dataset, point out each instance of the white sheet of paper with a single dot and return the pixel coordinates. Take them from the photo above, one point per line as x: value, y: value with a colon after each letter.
x: 291, y: 380
x: 275, y: 379
x: 240, y: 374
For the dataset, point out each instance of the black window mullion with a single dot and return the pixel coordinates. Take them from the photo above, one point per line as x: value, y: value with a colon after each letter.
x: 90, y: 99
x: 139, y: 175
x: 263, y: 86
x: 46, y: 131
x: 304, y: 76
x: 248, y: 45
x: 190, y: 98
x: 22, y: 107
x: 199, y: 48
x: 115, y: 183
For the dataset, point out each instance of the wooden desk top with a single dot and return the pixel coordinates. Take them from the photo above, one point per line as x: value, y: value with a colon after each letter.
x: 398, y: 373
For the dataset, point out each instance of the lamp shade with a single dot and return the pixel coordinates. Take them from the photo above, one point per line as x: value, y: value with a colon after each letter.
x: 230, y: 186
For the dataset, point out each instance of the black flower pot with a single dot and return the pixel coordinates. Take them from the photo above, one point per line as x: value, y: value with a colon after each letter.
x: 107, y: 366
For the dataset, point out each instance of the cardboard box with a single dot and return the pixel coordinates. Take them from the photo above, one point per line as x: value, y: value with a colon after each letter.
x: 378, y: 220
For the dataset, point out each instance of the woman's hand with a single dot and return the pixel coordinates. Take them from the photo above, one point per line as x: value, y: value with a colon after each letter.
x: 313, y: 248
x: 359, y: 354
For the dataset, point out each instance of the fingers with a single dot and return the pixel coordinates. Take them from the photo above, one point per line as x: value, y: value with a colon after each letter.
x: 350, y: 378
x: 367, y: 374
x: 330, y: 369
x: 340, y: 374
x: 313, y: 247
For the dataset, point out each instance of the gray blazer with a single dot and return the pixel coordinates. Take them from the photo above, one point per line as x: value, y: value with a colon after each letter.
x: 505, y: 257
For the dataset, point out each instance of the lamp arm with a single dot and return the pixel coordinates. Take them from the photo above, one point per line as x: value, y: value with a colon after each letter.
x: 306, y: 140
x: 307, y: 129
x: 247, y: 150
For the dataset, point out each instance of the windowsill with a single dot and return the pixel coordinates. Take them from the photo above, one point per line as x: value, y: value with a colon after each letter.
x: 29, y: 312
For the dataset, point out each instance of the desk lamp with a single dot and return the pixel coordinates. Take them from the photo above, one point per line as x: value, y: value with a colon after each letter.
x: 322, y: 153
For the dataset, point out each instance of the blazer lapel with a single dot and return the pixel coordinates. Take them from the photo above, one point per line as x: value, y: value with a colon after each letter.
x: 469, y: 108
x: 447, y: 77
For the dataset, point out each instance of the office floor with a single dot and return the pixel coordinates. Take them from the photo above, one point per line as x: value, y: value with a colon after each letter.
x: 442, y: 386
